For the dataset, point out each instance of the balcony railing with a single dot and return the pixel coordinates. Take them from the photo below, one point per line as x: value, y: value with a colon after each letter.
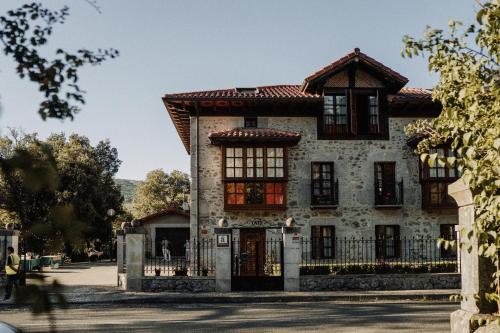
x: 330, y: 199
x: 334, y: 124
x: 389, y: 194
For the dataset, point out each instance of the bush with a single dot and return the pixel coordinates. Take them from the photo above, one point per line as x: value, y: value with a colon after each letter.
x: 378, y: 268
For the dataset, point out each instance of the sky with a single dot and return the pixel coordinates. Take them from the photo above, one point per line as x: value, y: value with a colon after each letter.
x: 169, y: 46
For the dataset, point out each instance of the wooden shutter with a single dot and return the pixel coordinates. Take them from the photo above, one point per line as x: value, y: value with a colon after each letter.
x: 353, y: 113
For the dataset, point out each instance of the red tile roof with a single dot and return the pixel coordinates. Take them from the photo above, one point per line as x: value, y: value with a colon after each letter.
x: 411, y: 94
x: 255, y: 135
x: 351, y: 57
x: 166, y: 212
x: 279, y: 91
x: 283, y: 91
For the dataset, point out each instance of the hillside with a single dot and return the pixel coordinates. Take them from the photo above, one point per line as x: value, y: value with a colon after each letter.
x: 128, y: 187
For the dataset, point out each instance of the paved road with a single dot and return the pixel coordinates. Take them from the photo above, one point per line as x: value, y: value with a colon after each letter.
x: 245, y: 318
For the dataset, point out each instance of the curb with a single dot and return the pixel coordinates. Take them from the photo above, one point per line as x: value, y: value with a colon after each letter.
x: 255, y: 299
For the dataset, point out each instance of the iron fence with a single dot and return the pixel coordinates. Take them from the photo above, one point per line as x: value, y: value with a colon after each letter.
x: 328, y: 255
x: 198, y: 259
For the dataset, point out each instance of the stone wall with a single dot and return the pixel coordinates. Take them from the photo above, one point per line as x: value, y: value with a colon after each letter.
x: 354, y: 160
x: 182, y: 284
x: 380, y: 282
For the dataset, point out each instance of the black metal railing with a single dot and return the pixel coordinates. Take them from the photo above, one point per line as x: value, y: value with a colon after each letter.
x: 328, y: 197
x: 198, y: 259
x: 328, y: 255
x: 389, y: 193
x: 334, y: 124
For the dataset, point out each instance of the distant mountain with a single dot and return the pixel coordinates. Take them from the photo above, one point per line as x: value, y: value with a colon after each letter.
x: 128, y: 187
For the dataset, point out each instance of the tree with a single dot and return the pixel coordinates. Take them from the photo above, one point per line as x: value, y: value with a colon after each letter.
x: 70, y: 208
x: 23, y: 31
x: 469, y: 91
x: 160, y: 191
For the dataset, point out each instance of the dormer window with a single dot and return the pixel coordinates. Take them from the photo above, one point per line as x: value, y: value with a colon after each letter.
x: 351, y: 114
x: 335, y: 114
x: 250, y: 122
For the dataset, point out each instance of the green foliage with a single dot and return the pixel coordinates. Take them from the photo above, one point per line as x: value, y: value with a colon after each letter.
x: 128, y: 188
x: 467, y: 62
x: 22, y: 32
x: 160, y: 191
x: 60, y: 190
x: 379, y: 268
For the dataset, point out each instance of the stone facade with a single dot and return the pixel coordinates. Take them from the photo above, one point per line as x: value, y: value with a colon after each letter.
x: 354, y: 168
x: 182, y: 284
x: 380, y: 282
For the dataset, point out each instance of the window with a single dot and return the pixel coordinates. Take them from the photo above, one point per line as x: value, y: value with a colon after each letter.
x: 335, y: 114
x: 387, y: 191
x: 438, y: 169
x: 373, y: 105
x: 275, y: 167
x: 250, y: 122
x: 323, y: 187
x: 435, y: 179
x: 234, y: 162
x: 353, y: 112
x: 322, y: 242
x: 254, y: 177
x: 387, y: 241
x: 447, y: 232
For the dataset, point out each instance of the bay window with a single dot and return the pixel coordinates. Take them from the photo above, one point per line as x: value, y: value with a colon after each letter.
x: 435, y: 179
x: 254, y: 177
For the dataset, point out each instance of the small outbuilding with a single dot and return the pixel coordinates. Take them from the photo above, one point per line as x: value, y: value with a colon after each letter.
x: 171, y: 225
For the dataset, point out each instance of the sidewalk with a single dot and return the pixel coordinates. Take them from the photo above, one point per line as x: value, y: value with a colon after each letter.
x: 105, y: 295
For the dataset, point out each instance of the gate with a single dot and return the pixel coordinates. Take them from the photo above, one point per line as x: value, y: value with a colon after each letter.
x: 256, y: 263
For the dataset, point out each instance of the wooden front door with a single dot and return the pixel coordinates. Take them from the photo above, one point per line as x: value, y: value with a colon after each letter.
x: 252, y: 252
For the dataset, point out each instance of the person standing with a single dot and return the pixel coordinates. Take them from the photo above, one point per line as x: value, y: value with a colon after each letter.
x: 11, y: 270
x: 165, y: 249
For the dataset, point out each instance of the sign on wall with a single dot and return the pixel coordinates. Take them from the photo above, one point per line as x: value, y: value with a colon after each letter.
x: 223, y: 240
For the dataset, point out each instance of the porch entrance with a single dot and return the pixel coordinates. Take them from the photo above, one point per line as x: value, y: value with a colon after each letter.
x: 257, y: 262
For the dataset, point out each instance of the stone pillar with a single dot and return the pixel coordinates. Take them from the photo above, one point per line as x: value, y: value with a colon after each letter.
x: 135, y: 260
x: 475, y: 270
x: 120, y: 254
x: 223, y: 259
x: 291, y: 258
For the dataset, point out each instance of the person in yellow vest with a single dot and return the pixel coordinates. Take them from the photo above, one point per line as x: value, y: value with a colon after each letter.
x: 11, y: 269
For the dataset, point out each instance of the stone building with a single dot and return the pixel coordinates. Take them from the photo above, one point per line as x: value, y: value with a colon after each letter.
x: 330, y: 152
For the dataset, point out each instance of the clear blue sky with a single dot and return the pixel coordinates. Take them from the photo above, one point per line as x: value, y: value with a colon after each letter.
x: 182, y: 45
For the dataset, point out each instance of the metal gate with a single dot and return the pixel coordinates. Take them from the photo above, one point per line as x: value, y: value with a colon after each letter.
x: 257, y: 264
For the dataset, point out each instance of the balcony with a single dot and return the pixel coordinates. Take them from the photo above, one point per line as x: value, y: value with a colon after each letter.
x: 326, y: 198
x: 389, y: 194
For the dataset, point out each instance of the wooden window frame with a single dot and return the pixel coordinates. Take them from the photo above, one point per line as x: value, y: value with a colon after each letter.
x: 250, y: 122
x: 333, y: 201
x: 352, y: 132
x: 381, y: 241
x: 320, y: 246
x: 253, y: 179
x: 427, y: 182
